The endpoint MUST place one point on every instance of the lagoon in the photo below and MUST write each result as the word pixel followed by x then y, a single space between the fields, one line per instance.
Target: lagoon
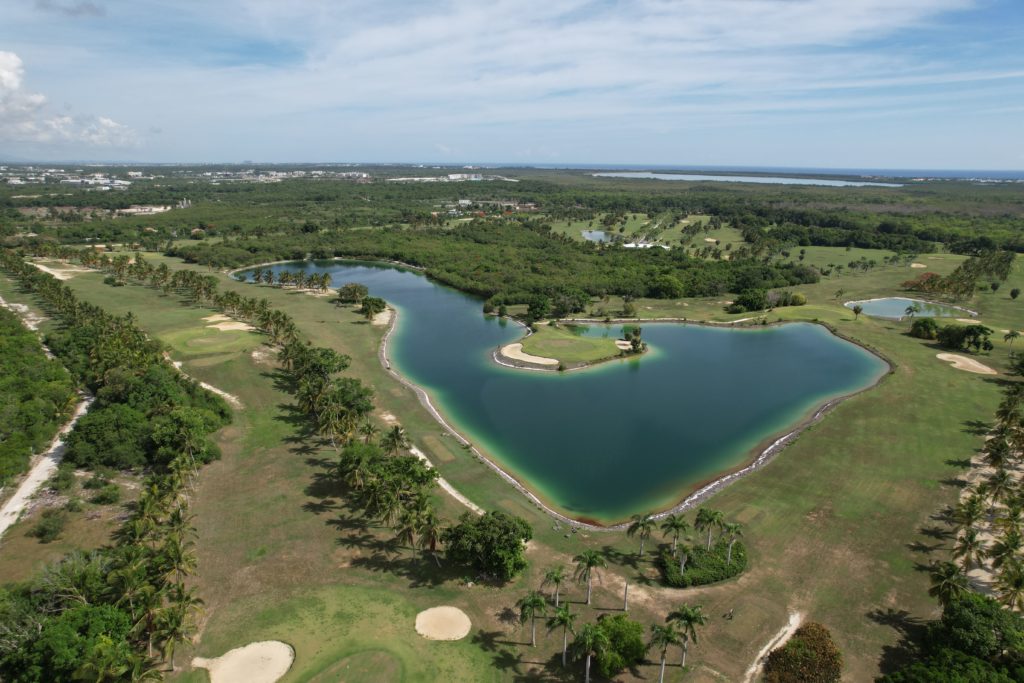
pixel 626 437
pixel 773 180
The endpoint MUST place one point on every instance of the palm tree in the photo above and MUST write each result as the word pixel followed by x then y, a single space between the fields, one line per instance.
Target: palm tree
pixel 563 618
pixel 430 528
pixel 1010 585
pixel 998 486
pixel 554 576
pixel 531 606
pixel 687 619
pixel 369 431
pixel 641 526
pixel 1006 548
pixel 733 531
pixel 1010 336
pixel 969 549
pixel 708 519
pixel 912 310
pixel 969 511
pixel 948 582
pixel 590 641
pixel 675 525
pixel 662 638
pixel 587 564
pixel 395 440
pixel 857 310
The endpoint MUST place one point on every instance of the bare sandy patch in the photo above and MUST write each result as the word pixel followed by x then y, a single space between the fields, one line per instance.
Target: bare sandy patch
pixel 384 317
pixel 30 319
pixel 230 398
pixel 263 356
pixel 446 485
pixel 964 363
pixel 262 662
pixel 623 345
pixel 918 265
pixel 710 239
pixel 216 318
pixel 969 321
pixel 389 418
pixel 442 623
pixel 515 352
pixel 234 326
pixel 60 273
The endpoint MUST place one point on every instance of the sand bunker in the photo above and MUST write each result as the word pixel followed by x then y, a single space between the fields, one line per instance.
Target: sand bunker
pixel 225 324
pixel 442 623
pixel 623 345
pixel 918 265
pixel 60 273
pixel 710 239
pixel 964 363
pixel 262 662
pixel 384 317
pixel 515 352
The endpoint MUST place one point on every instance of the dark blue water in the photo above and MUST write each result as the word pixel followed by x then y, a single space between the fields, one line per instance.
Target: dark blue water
pixel 626 437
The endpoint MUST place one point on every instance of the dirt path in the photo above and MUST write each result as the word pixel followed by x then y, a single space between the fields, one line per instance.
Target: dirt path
pixel 43 469
pixel 230 398
pixel 778 640
pixel 443 483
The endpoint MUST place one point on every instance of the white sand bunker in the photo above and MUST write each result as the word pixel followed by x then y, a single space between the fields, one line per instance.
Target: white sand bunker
pixel 262 662
pixel 442 623
pixel 515 352
pixel 712 240
pixel 965 363
pixel 918 265
pixel 226 324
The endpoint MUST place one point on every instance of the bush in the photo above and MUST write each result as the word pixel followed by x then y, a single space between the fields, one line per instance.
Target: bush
pixel 64 478
pixel 625 644
pixel 492 544
pixel 50 526
pixel 703 566
pixel 73 505
pixel 97 481
pixel 108 495
pixel 810 656
pixel 924 328
pixel 963 338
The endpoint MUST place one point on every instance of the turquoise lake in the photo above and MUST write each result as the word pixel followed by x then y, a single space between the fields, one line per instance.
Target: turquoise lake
pixel 628 436
pixel 895 307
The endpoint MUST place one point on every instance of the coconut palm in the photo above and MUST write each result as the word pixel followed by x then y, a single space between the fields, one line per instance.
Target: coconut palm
pixel 563 618
pixel 1006 548
pixel 674 525
pixel 733 532
pixel 531 606
pixel 998 487
pixel 590 641
pixel 969 549
pixel 395 440
pixel 555 577
pixel 368 431
pixel 1010 336
pixel 687 619
pixel 857 310
pixel 969 511
pixel 662 638
pixel 429 530
pixel 641 526
pixel 587 564
pixel 948 582
pixel 1010 585
pixel 708 519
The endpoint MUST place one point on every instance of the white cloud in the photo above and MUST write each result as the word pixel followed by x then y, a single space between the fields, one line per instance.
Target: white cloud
pixel 25 116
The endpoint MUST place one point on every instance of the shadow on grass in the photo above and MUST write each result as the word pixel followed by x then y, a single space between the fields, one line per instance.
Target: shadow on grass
pixel 911 632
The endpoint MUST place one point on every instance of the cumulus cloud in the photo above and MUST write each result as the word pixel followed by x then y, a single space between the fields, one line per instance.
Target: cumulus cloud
pixel 26 117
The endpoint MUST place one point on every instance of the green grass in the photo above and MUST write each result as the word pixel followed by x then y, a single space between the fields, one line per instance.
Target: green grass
pixel 568 347
pixel 830 524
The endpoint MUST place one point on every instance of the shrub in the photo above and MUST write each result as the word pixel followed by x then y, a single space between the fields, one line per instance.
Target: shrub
pixel 924 328
pixel 492 544
pixel 108 495
pixel 810 656
pixel 625 644
pixel 73 505
pixel 703 566
pixel 50 526
pixel 64 478
pixel 1015 292
pixel 962 338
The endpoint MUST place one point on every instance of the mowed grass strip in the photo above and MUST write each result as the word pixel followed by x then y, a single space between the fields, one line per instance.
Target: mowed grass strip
pixel 563 344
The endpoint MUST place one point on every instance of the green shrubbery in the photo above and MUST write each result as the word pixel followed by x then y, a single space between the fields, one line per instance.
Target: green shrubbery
pixel 626 645
pixel 50 526
pixel 703 566
pixel 493 543
pixel 810 656
pixel 924 328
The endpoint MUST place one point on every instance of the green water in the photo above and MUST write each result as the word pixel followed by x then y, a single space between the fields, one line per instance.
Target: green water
pixel 626 437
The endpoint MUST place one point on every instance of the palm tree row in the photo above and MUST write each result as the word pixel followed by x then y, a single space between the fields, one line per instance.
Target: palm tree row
pixel 994 508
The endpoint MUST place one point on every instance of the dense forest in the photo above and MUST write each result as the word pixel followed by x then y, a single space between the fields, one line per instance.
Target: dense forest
pixel 36 396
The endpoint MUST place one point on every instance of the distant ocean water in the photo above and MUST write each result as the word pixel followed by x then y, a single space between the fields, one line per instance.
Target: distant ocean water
pixel 900 173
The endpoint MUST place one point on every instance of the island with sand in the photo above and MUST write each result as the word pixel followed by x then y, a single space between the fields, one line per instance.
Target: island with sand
pixel 566 345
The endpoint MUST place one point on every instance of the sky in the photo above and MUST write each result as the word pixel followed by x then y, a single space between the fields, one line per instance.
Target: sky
pixel 924 84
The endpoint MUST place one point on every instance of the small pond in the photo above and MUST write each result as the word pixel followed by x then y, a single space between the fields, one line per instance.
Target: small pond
pixel 895 307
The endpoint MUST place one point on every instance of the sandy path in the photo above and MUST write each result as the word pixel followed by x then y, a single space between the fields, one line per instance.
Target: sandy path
pixel 443 623
pixel 964 363
pixel 30 319
pixel 230 398
pixel 60 274
pixel 44 468
pixel 443 483
pixel 262 662
pixel 779 639
pixel 515 352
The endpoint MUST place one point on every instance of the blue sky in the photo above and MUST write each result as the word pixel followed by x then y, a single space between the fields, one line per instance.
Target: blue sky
pixel 828 83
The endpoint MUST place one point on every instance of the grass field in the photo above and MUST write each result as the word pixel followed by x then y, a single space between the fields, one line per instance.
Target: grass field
pixel 561 343
pixel 838 526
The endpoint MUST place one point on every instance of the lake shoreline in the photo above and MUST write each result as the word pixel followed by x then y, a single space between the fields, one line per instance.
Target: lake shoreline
pixel 700 491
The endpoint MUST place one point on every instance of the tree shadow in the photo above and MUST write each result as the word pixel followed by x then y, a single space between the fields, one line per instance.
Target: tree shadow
pixel 936 532
pixel 963 462
pixel 919 547
pixel 976 427
pixel 911 632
